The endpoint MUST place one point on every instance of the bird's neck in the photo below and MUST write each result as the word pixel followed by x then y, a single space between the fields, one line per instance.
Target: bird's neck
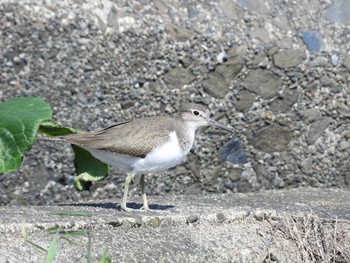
pixel 185 134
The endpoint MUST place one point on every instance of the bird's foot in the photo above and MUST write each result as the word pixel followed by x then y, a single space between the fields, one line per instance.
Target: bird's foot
pixel 143 209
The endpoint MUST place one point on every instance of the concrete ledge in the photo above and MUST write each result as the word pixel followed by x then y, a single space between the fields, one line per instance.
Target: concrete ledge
pixel 215 228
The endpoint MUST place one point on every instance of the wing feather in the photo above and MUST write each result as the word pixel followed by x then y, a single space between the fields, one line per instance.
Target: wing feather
pixel 133 138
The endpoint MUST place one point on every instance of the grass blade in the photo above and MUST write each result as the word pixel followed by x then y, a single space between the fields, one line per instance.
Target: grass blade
pixel 51 252
pixel 25 237
pixel 70 233
pixel 73 213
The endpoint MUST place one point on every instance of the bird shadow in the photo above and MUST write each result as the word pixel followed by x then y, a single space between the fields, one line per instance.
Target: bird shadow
pixel 115 206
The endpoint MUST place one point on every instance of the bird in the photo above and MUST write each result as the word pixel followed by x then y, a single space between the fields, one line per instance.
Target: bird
pixel 145 145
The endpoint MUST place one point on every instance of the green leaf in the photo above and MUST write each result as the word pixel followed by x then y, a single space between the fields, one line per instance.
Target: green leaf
pixel 88 168
pixel 19 121
pixel 52 128
pixel 51 252
pixel 106 257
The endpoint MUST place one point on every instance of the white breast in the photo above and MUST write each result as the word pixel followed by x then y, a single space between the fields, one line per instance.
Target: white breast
pixel 163 157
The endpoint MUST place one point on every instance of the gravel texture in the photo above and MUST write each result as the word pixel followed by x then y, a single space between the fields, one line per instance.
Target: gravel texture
pixel 277 72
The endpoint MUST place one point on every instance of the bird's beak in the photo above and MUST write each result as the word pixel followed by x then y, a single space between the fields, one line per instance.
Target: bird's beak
pixel 217 124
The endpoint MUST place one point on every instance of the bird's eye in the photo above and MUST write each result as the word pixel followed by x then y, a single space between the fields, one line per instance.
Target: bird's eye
pixel 195 113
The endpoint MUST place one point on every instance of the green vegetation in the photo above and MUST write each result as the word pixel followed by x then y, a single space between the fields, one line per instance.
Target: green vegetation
pixel 20 121
pixel 59 234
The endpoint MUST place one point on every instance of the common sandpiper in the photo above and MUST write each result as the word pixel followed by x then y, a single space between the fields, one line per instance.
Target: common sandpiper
pixel 146 145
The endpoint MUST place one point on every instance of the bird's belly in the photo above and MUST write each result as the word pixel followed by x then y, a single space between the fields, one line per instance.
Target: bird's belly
pixel 117 161
pixel 161 158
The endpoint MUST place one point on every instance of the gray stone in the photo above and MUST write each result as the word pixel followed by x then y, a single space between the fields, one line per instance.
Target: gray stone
pixel 311 115
pixel 262 82
pixel 289 58
pixel 218 82
pixel 156 86
pixel 319 62
pixel 342 108
pixel 192 219
pixel 306 166
pixel 216 85
pixel 184 34
pixel 245 100
pixel 273 138
pixel 260 33
pixel 178 77
pixel 243 186
pixel 235 174
pixel 328 82
pixel 317 128
pixel 260 58
pixel 285 101
pixel 231 68
pixel 220 217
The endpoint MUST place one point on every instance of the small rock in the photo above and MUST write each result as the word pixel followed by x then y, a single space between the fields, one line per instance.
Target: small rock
pixel 285 103
pixel 220 217
pixel 115 223
pixel 262 82
pixel 328 82
pixel 218 82
pixel 216 85
pixel 289 58
pixel 260 33
pixel 192 219
pixel 273 138
pixel 154 222
pixel 235 174
pixel 334 59
pixel 311 115
pixel 306 166
pixel 312 40
pixel 317 128
pixel 244 186
pixel 178 77
pixel 245 100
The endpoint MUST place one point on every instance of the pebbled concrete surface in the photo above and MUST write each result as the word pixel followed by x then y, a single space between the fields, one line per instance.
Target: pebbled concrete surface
pixel 213 228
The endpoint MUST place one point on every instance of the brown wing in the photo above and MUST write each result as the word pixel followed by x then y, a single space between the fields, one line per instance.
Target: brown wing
pixel 134 138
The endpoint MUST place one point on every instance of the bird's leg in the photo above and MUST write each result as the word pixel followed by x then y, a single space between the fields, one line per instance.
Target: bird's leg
pixel 143 191
pixel 126 189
